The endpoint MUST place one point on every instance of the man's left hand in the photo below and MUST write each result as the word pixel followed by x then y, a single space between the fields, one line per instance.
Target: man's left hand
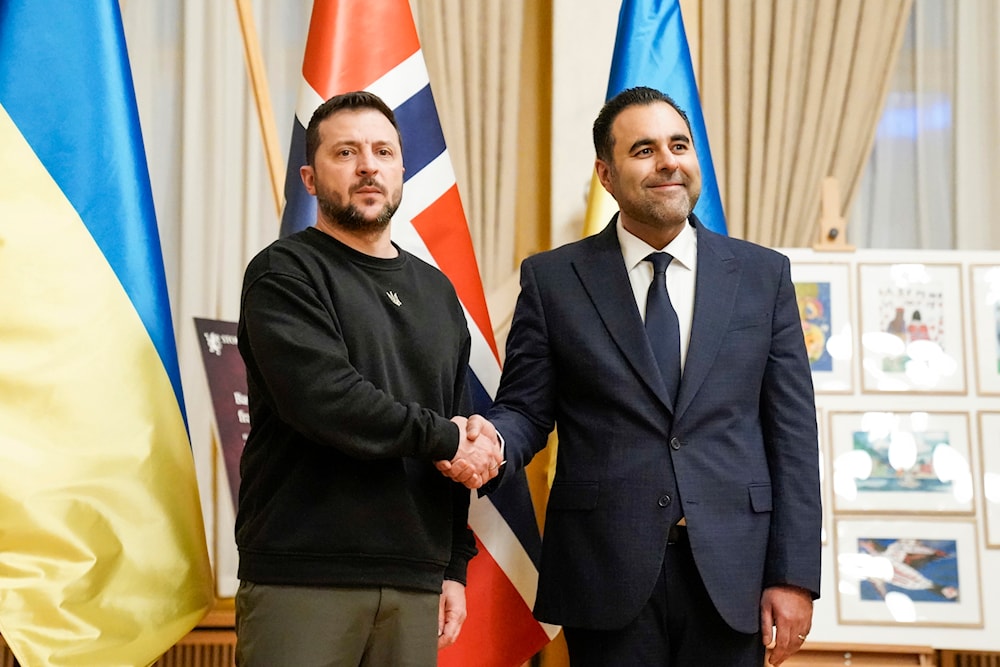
pixel 788 610
pixel 451 612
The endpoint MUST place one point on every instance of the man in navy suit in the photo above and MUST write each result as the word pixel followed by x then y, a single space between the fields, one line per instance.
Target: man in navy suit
pixel 683 525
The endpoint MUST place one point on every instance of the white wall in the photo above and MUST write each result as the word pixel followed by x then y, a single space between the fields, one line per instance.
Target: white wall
pixel 582 42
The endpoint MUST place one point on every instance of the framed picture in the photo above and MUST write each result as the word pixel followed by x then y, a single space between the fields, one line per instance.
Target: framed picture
pixel 989 455
pixel 823 294
pixel 904 462
pixel 911 328
pixel 916 572
pixel 985 281
pixel 824 500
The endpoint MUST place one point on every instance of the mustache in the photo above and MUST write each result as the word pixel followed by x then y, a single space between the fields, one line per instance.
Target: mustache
pixel 367 183
pixel 667 181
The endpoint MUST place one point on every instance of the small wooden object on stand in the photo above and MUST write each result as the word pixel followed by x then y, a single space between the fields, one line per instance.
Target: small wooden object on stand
pixel 832 227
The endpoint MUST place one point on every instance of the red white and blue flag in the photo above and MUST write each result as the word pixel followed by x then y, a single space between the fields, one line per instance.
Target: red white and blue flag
pixel 372 45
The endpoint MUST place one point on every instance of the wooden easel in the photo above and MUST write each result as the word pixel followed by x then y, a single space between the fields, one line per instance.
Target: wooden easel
pixel 832 227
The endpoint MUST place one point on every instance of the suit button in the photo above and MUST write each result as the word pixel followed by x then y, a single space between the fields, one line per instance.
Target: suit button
pixel 663 501
pixel 675 443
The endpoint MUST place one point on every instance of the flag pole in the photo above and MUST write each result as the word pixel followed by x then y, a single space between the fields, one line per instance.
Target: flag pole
pixel 262 97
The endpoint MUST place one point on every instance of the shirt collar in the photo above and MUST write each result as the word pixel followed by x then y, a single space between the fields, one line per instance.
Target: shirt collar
pixel 683 248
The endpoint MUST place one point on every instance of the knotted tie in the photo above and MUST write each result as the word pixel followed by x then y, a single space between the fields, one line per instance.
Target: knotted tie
pixel 661 325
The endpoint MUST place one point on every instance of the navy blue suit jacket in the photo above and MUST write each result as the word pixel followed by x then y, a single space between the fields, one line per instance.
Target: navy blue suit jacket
pixel 737 456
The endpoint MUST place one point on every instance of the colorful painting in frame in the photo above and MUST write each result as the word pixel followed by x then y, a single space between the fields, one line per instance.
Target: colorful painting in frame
pixel 989 456
pixel 985 281
pixel 823 295
pixel 912 336
pixel 904 462
pixel 917 573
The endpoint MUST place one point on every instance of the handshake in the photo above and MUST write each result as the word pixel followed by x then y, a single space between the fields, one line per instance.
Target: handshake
pixel 478 458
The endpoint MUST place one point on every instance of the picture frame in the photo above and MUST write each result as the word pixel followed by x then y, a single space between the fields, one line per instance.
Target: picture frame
pixel 985 304
pixel 912 337
pixel 911 573
pixel 825 505
pixel 823 293
pixel 989 457
pixel 901 462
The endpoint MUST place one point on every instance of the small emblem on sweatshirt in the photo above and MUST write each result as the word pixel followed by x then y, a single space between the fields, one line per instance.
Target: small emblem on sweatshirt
pixel 394 298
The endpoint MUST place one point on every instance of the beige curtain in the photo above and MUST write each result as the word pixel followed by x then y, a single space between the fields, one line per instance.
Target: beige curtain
pixel 210 183
pixel 792 91
pixel 906 198
pixel 472 50
pixel 977 132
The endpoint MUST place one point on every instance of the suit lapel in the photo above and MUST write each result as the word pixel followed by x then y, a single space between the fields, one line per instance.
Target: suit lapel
pixel 602 272
pixel 716 285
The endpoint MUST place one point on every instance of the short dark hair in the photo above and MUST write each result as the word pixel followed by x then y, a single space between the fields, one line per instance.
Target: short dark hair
pixel 359 99
pixel 604 143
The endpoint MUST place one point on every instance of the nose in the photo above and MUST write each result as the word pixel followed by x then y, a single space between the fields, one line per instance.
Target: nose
pixel 668 161
pixel 366 164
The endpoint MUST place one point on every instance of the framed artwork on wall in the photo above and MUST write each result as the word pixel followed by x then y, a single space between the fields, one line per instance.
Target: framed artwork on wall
pixel 919 572
pixel 911 328
pixel 901 462
pixel 989 456
pixel 985 282
pixel 823 295
pixel 824 499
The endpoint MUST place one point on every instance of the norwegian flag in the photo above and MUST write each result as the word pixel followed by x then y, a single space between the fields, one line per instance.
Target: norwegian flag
pixel 372 45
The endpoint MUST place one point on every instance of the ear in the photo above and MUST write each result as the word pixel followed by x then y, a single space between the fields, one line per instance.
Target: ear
pixel 603 170
pixel 308 176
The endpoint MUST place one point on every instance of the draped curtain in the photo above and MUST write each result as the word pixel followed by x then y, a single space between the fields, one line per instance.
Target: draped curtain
pixel 791 93
pixel 930 182
pixel 211 188
pixel 914 145
pixel 977 132
pixel 473 54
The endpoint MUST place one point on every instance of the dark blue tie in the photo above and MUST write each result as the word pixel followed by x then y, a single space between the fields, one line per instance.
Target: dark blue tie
pixel 661 325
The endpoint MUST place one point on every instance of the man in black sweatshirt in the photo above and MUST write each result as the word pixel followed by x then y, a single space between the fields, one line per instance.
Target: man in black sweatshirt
pixel 353 547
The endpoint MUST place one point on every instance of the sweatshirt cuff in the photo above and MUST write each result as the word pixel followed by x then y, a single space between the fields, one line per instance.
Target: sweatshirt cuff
pixel 444 443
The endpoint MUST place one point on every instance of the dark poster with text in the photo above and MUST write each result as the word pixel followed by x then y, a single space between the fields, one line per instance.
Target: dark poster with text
pixel 227 385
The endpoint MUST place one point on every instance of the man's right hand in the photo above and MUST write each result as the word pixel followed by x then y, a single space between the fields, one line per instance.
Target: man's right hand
pixel 478 459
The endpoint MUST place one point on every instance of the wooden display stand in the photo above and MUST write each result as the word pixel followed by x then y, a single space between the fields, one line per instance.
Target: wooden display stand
pixel 832 227
pixel 951 658
pixel 827 655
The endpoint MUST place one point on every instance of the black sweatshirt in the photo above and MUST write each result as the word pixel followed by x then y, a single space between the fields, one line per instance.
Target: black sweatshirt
pixel 354 365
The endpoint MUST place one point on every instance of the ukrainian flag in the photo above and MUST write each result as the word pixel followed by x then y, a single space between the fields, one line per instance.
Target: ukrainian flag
pixel 651 49
pixel 103 559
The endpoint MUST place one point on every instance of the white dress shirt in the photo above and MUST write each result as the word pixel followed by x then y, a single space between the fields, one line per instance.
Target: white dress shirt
pixel 680 275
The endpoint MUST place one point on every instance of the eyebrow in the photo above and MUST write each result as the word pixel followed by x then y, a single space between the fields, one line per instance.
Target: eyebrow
pixel 356 142
pixel 649 141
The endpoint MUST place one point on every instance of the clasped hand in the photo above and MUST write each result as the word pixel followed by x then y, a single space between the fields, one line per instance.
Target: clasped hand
pixel 478 459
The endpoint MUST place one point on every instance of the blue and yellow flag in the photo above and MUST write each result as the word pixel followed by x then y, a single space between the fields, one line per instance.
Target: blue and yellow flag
pixel 103 558
pixel 651 50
